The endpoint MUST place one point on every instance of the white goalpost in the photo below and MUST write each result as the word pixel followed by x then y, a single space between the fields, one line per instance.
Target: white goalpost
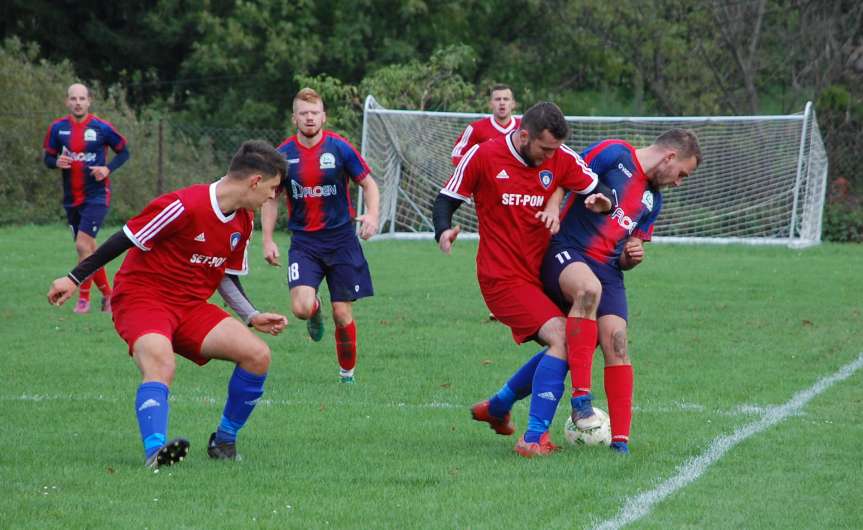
pixel 762 181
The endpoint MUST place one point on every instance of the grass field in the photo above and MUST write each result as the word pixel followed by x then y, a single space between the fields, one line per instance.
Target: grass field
pixel 731 429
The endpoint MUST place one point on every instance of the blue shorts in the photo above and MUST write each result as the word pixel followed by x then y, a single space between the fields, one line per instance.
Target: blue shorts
pixel 335 255
pixel 557 258
pixel 86 217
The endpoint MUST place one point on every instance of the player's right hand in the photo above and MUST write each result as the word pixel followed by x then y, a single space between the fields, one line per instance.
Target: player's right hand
pixel 271 253
pixel 64 161
pixel 61 290
pixel 447 238
pixel 272 323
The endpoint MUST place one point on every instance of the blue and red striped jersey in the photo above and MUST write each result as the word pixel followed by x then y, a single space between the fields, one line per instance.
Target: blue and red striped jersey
pixel 635 205
pixel 87 144
pixel 316 182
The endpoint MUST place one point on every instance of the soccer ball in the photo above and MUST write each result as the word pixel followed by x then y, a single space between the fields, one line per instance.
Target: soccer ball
pixel 600 435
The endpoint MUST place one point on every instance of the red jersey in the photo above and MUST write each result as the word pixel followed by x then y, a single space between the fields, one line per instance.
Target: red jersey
pixel 480 131
pixel 184 246
pixel 508 193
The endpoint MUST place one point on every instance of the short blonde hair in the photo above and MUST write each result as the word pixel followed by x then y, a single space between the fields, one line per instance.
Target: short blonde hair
pixel 308 95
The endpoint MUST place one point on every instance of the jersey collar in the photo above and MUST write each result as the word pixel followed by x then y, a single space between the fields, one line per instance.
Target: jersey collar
pixel 215 204
pixel 513 150
pixel 503 130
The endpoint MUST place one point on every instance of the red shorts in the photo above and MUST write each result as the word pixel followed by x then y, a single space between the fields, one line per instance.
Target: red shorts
pixel 185 326
pixel 522 306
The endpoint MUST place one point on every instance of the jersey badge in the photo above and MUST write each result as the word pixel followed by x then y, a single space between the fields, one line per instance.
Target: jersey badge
pixel 502 175
pixel 235 240
pixel 647 200
pixel 89 135
pixel 545 178
pixel 328 161
pixel 200 238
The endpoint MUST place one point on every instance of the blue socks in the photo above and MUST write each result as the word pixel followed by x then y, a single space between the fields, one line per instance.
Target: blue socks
pixel 547 390
pixel 244 390
pixel 151 407
pixel 517 388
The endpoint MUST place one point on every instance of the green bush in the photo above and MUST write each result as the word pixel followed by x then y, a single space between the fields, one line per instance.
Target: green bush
pixel 843 223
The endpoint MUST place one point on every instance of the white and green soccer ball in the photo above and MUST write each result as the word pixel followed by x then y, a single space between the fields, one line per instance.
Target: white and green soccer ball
pixel 597 433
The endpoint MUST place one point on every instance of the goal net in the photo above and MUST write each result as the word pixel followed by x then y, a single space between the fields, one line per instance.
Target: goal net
pixel 762 181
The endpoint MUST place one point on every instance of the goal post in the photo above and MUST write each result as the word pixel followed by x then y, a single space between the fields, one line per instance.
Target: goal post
pixel 763 179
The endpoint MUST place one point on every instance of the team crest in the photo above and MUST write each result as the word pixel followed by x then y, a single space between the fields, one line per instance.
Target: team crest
pixel 545 178
pixel 235 240
pixel 89 135
pixel 328 161
pixel 647 200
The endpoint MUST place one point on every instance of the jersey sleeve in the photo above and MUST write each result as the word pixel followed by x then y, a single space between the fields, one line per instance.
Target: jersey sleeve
pixel 464 179
pixel 462 145
pixel 353 161
pixel 577 175
pixel 164 216
pixel 238 261
pixel 113 138
pixel 52 144
pixel 644 229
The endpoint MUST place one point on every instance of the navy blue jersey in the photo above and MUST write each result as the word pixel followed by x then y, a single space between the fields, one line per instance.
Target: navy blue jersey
pixel 316 183
pixel 87 144
pixel 635 205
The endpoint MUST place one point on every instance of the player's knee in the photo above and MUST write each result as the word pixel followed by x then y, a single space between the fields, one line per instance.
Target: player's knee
pixel 259 357
pixel 161 368
pixel 342 316
pixel 303 309
pixel 619 348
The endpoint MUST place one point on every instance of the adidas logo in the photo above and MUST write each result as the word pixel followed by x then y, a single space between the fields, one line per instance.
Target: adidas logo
pixel 502 175
pixel 200 237
pixel 148 404
pixel 547 395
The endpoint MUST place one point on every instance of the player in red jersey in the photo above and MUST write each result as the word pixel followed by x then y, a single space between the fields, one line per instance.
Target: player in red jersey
pixel 510 179
pixel 501 122
pixel 77 145
pixel 324 243
pixel 187 244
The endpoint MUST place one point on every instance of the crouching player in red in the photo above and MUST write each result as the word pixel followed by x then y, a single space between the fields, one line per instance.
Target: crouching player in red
pixel 187 244
pixel 511 178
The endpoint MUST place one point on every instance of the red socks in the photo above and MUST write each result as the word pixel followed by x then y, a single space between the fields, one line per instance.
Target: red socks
pixel 84 289
pixel 346 346
pixel 581 336
pixel 101 280
pixel 618 390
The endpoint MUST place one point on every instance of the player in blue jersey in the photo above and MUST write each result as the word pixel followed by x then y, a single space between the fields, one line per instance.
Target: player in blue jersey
pixel 77 144
pixel 324 244
pixel 583 267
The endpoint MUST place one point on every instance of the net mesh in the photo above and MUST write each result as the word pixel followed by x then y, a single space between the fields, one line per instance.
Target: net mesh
pixel 762 180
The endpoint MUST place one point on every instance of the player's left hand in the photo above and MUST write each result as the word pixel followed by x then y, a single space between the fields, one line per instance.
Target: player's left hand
pixel 550 220
pixel 598 203
pixel 369 226
pixel 633 253
pixel 100 173
pixel 61 290
pixel 271 323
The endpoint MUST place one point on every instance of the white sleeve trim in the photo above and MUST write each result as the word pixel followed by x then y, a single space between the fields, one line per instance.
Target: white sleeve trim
pixel 133 239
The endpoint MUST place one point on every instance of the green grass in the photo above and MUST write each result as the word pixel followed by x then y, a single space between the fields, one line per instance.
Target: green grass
pixel 714 330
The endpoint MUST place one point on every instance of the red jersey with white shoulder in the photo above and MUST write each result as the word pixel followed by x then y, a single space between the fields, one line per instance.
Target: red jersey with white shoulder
pixel 508 193
pixel 480 131
pixel 184 245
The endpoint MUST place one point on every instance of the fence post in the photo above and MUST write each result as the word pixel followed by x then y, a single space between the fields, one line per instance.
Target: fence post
pixel 160 175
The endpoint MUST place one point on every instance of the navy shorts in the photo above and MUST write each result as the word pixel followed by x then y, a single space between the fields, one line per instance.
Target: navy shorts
pixel 86 217
pixel 613 300
pixel 338 257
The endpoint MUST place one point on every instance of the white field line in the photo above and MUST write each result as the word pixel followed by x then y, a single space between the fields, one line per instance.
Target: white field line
pixel 638 506
pixel 652 408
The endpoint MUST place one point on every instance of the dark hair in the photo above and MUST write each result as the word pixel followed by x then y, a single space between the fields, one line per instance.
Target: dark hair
pixel 683 141
pixel 543 116
pixel 500 86
pixel 257 156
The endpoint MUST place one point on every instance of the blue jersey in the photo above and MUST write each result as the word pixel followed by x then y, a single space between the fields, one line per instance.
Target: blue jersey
pixel 635 206
pixel 87 144
pixel 316 183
